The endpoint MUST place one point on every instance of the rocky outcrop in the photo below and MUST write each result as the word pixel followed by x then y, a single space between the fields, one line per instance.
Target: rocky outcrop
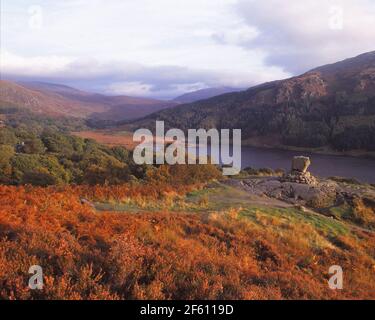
pixel 300 188
pixel 366 80
pixel 318 196
pixel 309 85
pixel 336 198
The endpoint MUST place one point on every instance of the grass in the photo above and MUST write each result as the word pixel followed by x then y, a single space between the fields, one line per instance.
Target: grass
pixel 341 212
pixel 109 138
pixel 219 198
pixel 295 216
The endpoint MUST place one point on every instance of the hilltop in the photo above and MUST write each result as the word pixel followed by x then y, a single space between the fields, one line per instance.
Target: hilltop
pixel 204 94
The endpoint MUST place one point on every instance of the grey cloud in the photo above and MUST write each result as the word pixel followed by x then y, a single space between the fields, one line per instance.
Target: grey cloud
pixel 298 35
pixel 163 81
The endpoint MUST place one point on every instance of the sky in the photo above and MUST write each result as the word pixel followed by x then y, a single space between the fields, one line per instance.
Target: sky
pixel 164 48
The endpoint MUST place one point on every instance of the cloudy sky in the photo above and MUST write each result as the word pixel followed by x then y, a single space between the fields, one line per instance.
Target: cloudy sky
pixel 163 48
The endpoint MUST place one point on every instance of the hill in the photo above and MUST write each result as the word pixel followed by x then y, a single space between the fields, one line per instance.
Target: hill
pixel 333 105
pixel 59 100
pixel 204 94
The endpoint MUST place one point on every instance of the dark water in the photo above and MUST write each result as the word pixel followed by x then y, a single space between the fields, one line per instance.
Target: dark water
pixel 362 169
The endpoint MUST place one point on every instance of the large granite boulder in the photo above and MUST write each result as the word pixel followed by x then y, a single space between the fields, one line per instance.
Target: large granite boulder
pixel 300 164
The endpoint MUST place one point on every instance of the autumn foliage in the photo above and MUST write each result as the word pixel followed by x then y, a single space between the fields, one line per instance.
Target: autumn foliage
pixel 87 254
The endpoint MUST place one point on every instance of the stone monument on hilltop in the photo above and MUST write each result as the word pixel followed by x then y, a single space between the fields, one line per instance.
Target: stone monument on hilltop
pixel 299 172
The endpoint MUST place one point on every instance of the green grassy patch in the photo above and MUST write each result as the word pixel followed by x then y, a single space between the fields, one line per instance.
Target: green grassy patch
pixel 220 198
pixel 295 216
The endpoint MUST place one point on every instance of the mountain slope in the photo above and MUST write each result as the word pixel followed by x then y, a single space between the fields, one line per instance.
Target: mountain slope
pixel 60 100
pixel 333 105
pixel 204 94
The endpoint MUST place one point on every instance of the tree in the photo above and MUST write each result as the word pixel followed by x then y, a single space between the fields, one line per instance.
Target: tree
pixel 34 146
pixel 7 136
pixel 39 177
pixel 121 154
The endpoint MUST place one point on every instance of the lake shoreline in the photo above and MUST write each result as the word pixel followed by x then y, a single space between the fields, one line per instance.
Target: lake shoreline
pixel 124 138
pixel 327 151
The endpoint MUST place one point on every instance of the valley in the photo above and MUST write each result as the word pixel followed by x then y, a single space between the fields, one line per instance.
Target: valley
pixel 73 200
pixel 63 101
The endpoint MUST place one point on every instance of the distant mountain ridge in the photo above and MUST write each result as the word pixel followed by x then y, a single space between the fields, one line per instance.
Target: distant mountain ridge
pixel 204 94
pixel 60 100
pixel 333 105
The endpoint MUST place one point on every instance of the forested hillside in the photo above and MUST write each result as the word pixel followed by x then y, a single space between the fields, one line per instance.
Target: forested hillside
pixel 38 150
pixel 329 106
